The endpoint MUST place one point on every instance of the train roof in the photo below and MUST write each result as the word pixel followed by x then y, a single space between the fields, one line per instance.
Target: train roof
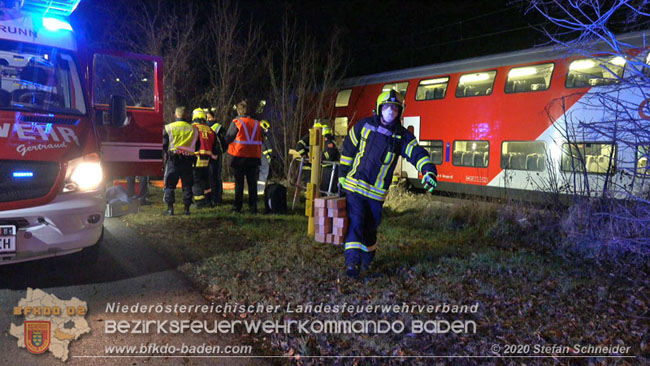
pixel 634 40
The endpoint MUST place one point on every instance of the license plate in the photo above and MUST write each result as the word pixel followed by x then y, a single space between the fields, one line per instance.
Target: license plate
pixel 7 239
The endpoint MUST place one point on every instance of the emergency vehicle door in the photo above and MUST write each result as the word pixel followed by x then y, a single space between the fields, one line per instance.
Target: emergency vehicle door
pixel 132 145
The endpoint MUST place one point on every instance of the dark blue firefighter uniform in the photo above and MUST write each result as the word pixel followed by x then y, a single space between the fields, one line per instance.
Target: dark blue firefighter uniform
pixel 369 156
pixel 179 166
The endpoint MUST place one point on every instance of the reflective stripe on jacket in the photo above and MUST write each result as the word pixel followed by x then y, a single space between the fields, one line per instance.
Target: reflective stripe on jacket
pixel 370 153
pixel 248 142
pixel 182 136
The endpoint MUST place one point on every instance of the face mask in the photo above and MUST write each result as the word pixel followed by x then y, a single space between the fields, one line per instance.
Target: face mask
pixel 389 113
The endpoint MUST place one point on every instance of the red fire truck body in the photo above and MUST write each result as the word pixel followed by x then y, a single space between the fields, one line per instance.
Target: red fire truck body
pixel 69 119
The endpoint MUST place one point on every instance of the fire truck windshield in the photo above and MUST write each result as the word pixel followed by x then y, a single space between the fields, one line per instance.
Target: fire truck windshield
pixel 39 78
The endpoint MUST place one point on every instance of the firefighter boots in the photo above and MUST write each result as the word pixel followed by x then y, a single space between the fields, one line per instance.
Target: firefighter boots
pixel 186 211
pixel 170 209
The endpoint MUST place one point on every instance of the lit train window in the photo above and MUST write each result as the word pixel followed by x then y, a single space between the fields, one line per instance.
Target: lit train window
pixel 435 150
pixel 340 130
pixel 343 98
pixel 646 67
pixel 642 156
pixel 596 158
pixel 400 87
pixel 523 155
pixel 478 84
pixel 595 71
pixel 432 89
pixel 471 153
pixel 529 78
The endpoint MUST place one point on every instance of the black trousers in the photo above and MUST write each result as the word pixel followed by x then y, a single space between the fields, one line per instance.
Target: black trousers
pixel 179 166
pixel 251 173
pixel 216 185
pixel 200 184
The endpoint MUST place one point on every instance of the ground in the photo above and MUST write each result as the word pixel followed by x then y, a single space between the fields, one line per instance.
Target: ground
pixel 528 290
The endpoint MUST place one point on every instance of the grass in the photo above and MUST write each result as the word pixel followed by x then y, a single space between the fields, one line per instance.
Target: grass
pixel 429 253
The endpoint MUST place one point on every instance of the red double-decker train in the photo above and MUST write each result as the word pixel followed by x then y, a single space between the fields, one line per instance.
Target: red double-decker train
pixel 519 122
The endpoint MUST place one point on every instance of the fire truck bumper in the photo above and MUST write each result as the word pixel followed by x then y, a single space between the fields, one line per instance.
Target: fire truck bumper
pixel 66 225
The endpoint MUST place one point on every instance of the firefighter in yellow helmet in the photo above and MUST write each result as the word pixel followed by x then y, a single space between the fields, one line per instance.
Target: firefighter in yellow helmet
pixel 206 152
pixel 370 153
pixel 179 143
pixel 330 153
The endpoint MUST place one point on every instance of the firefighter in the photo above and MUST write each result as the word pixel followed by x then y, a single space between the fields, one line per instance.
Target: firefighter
pixel 267 153
pixel 179 143
pixel 370 152
pixel 244 139
pixel 207 152
pixel 330 153
pixel 214 167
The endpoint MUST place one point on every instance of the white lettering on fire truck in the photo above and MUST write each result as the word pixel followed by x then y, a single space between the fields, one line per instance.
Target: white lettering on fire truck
pixel 38 132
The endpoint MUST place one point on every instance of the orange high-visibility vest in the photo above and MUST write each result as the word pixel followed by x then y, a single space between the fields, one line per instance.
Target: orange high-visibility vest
pixel 248 142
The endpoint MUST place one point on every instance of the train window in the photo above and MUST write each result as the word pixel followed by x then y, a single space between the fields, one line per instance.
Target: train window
pixel 435 150
pixel 642 156
pixel 343 98
pixel 432 89
pixel 529 78
pixel 523 155
pixel 471 153
pixel 340 130
pixel 400 87
pixel 646 67
pixel 597 158
pixel 595 71
pixel 470 85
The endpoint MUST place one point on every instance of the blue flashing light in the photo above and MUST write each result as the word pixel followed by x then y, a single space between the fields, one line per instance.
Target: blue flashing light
pixel 54 24
pixel 23 174
pixel 50 7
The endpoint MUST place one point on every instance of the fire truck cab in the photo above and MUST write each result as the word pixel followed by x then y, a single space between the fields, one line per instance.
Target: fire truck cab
pixel 69 119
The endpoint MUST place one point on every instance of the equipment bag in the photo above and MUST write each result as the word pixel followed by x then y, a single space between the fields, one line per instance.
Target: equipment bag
pixel 275 199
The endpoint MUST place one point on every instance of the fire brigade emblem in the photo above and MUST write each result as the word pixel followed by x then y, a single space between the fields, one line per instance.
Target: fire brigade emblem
pixel 37 336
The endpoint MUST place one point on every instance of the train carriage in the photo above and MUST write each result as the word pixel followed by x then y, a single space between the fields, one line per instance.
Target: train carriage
pixel 520 122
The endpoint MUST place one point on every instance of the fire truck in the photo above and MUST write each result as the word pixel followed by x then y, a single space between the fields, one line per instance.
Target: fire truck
pixel 70 118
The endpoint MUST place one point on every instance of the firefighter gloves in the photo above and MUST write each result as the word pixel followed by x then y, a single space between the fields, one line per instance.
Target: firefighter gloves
pixel 430 182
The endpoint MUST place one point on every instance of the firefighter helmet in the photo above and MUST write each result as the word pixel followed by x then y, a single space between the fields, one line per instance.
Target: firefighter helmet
pixel 326 130
pixel 265 125
pixel 391 97
pixel 199 114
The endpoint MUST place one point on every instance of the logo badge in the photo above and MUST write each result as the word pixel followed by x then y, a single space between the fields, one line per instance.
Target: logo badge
pixel 37 336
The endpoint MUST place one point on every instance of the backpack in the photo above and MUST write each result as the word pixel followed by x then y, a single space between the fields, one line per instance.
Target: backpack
pixel 275 199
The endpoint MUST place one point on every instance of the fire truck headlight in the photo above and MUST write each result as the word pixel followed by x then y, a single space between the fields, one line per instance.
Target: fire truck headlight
pixel 83 174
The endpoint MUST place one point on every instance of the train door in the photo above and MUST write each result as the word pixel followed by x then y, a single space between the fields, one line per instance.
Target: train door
pixel 133 145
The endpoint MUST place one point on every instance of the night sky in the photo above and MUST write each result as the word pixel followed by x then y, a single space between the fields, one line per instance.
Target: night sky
pixel 389 35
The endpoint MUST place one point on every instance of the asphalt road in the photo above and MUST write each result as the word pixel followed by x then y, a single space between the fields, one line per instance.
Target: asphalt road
pixel 127 272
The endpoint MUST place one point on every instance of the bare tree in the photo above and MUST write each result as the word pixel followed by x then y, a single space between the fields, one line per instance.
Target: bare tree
pixel 303 78
pixel 231 56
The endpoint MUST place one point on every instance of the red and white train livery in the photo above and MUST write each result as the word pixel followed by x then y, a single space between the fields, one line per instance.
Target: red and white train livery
pixel 512 122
